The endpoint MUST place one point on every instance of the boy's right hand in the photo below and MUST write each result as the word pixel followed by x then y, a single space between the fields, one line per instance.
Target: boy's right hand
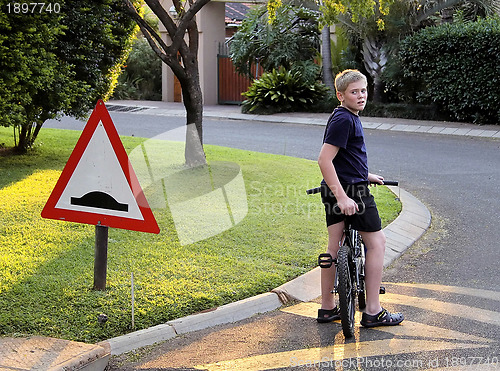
pixel 347 206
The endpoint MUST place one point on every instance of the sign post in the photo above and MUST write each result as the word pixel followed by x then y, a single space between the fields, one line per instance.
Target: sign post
pixel 100 257
pixel 98 186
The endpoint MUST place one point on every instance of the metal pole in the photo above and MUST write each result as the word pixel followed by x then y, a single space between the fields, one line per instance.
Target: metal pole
pixel 100 257
pixel 133 299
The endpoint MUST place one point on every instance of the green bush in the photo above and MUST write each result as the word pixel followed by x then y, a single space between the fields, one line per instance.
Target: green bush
pixel 283 91
pixel 141 77
pixel 405 111
pixel 456 66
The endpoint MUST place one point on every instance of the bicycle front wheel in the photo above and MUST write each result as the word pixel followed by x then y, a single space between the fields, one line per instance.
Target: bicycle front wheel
pixel 346 292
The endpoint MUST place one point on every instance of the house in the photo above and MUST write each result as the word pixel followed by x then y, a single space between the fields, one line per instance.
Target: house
pixel 235 14
pixel 216 21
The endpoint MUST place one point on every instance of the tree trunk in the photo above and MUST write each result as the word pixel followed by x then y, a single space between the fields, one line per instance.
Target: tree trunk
pixel 22 143
pixel 326 56
pixel 193 101
pixel 185 69
pixel 192 97
pixel 375 60
pixel 27 136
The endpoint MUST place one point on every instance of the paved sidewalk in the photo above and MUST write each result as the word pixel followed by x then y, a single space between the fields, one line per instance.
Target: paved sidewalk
pixel 38 353
pixel 42 353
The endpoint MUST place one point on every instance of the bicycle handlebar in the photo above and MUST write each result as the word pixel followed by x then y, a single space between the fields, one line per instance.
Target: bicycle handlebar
pixel 386 182
pixel 313 190
pixel 391 183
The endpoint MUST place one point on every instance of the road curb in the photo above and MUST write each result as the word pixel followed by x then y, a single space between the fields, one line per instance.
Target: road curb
pixel 407 228
pixel 228 313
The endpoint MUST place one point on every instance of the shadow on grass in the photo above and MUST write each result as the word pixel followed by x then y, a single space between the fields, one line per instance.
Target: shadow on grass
pixel 50 152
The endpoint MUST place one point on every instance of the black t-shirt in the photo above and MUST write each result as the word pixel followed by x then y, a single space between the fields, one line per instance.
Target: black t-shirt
pixel 344 130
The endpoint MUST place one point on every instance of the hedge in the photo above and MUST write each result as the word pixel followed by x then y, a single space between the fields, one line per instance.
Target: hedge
pixel 457 67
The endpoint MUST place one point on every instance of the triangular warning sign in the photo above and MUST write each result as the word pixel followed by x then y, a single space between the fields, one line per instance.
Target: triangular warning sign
pixel 98 185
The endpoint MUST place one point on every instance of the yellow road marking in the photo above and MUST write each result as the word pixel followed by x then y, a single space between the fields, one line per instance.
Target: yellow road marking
pixel 415 329
pixel 308 309
pixel 486 294
pixel 472 367
pixel 450 309
pixel 416 336
pixel 351 352
pixel 458 310
pixel 408 328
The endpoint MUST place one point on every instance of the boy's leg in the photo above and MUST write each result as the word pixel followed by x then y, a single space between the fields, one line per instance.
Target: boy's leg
pixel 374 264
pixel 335 232
pixel 374 314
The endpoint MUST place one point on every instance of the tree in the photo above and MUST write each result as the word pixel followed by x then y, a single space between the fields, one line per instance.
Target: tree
pixel 58 60
pixel 97 43
pixel 28 70
pixel 326 58
pixel 182 57
pixel 381 25
pixel 291 37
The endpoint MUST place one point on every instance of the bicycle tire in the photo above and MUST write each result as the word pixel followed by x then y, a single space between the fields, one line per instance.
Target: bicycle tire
pixel 346 292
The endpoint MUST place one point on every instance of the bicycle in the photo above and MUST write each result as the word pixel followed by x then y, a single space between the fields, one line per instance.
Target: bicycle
pixel 350 271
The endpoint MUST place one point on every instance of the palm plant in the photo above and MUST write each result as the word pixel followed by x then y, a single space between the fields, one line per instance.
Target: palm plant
pixel 404 18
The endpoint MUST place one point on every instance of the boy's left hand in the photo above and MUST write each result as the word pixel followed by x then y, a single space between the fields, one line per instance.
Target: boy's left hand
pixel 375 179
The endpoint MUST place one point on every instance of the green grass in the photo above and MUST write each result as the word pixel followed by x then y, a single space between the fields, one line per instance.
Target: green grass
pixel 46 266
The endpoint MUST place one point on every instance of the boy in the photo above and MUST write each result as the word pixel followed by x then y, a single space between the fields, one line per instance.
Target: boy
pixel 343 164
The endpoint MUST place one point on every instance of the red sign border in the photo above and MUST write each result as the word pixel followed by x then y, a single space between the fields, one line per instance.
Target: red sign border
pixel 149 224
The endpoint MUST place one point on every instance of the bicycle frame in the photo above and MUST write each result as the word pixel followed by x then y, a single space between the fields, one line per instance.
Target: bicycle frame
pixel 353 239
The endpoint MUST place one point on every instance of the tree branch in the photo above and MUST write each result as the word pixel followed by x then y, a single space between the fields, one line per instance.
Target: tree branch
pixel 191 12
pixel 169 54
pixel 150 34
pixel 440 6
pixel 163 16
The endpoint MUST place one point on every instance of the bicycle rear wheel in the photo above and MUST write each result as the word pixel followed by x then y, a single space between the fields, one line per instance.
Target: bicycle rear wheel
pixel 346 292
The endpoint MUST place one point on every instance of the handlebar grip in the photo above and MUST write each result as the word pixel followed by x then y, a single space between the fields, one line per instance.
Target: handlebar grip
pixel 391 182
pixel 313 190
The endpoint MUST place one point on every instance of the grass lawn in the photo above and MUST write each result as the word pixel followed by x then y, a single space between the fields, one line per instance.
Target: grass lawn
pixel 46 266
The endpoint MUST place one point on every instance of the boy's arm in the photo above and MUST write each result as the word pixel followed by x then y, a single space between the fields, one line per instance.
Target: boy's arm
pixel 328 152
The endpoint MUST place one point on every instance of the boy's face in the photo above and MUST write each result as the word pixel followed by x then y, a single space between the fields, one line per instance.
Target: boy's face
pixel 355 96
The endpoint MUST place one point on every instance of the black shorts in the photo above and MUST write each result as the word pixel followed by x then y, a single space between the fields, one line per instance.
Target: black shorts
pixel 365 220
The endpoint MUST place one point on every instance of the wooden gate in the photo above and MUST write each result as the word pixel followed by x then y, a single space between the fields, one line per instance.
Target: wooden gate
pixel 230 84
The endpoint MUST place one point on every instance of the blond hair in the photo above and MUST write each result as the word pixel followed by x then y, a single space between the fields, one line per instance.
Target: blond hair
pixel 346 77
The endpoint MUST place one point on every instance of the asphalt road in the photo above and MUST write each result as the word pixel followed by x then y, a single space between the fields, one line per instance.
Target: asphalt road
pixel 447 283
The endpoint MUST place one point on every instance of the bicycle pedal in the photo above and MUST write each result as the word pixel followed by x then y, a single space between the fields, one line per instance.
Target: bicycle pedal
pixel 326 260
pixel 382 290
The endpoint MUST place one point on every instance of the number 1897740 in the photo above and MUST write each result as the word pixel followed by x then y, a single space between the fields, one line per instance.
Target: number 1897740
pixel 31 8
